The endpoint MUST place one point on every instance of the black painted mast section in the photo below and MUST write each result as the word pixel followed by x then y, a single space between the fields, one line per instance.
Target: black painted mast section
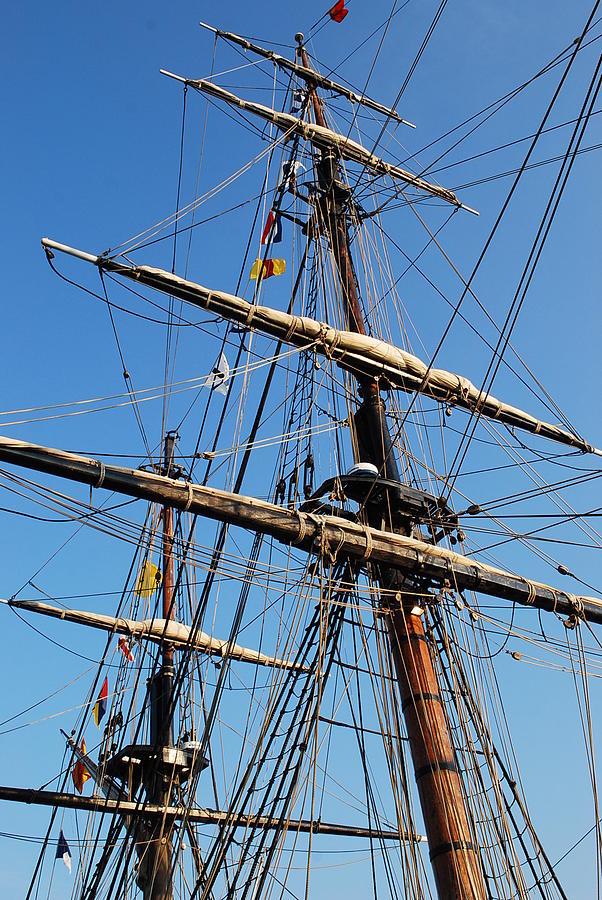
pixel 156 867
pixel 455 860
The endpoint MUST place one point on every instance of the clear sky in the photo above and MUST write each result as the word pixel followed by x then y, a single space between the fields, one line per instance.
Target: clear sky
pixel 90 152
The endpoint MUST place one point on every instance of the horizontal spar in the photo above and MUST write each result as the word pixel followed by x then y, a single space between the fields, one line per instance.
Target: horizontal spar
pixel 322 137
pixel 199 816
pixel 160 631
pixel 308 75
pixel 356 353
pixel 331 535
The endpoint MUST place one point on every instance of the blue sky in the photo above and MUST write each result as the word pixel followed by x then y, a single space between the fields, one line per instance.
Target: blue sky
pixel 90 157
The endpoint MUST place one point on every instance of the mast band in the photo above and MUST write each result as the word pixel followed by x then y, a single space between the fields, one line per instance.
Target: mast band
pixel 420 697
pixel 449 847
pixel 441 765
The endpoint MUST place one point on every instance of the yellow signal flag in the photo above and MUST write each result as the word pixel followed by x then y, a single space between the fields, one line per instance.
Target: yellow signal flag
pixel 267 268
pixel 149 579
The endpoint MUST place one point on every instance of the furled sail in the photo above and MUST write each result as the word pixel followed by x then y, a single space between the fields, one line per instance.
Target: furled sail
pixel 156 630
pixel 356 353
pixel 322 137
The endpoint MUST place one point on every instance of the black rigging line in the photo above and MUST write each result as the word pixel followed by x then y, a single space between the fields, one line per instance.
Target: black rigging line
pixel 111 304
pixel 496 105
pixel 536 165
pixel 78 739
pixel 473 708
pixel 498 221
pixel 335 69
pixel 170 305
pixel 415 201
pixel 530 266
pixel 501 101
pixel 189 228
pixel 406 81
pixel 462 317
pixel 505 146
pixel 539 491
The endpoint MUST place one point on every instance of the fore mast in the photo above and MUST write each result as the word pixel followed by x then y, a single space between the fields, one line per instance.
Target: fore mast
pixel 454 857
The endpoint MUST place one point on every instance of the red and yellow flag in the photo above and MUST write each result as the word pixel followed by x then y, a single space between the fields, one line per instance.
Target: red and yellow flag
pixel 267 268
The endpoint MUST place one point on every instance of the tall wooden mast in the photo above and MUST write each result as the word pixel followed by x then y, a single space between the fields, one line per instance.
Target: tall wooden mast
pixel 455 860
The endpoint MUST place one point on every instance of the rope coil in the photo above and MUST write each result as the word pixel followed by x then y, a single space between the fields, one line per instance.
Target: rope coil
pixel 302 529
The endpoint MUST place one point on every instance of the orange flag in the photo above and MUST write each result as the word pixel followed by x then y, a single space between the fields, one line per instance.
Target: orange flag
pixel 80 774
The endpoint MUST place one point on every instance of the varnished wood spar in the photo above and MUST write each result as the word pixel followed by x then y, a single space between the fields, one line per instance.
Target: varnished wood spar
pixel 454 857
pixel 312 533
pixel 198 815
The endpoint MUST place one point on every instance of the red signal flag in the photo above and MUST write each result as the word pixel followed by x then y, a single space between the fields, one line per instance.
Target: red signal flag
pixel 338 12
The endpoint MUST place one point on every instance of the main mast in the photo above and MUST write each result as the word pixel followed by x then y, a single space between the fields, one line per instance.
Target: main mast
pixel 454 857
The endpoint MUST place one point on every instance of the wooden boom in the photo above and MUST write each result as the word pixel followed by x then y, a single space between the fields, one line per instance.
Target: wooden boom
pixel 199 816
pixel 331 535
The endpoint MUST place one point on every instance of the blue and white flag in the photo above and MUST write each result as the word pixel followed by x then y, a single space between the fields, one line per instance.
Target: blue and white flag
pixel 289 170
pixel 218 380
pixel 63 852
pixel 297 103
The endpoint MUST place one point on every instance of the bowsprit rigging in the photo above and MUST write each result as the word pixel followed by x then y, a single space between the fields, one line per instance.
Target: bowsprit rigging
pixel 344 614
